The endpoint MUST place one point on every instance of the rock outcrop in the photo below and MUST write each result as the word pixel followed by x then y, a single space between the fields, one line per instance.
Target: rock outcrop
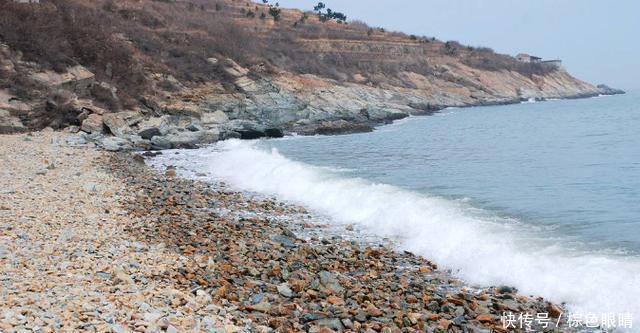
pixel 275 105
pixel 309 104
pixel 606 90
pixel 76 79
pixel 268 81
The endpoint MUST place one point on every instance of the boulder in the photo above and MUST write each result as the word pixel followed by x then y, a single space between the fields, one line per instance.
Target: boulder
pixel 155 126
pixel 273 133
pixel 131 117
pixel 193 127
pixel 160 143
pixel 149 133
pixel 164 125
pixel 188 139
pixel 117 125
pixel 249 130
pixel 112 143
pixel 341 127
pixel 139 142
pixel 184 139
pixel 120 123
pixel 214 118
pixel 226 134
pixel 79 139
pixel 93 124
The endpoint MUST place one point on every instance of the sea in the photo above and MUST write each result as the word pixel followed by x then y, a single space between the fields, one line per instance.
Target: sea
pixel 542 196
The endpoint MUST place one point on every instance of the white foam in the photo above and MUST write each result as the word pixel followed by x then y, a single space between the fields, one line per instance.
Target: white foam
pixel 482 250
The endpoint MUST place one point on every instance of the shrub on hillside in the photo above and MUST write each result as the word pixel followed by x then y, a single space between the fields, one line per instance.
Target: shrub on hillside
pixel 59 34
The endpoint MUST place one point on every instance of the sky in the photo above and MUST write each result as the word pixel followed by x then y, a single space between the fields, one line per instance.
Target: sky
pixel 598 41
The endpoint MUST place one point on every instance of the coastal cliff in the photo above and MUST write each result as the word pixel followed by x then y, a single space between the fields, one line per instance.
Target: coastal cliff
pixel 156 75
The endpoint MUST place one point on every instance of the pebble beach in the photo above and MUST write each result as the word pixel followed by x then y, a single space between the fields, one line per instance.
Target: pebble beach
pixel 95 241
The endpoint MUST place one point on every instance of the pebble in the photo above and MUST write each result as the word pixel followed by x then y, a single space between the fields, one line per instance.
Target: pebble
pixel 284 290
pixel 149 251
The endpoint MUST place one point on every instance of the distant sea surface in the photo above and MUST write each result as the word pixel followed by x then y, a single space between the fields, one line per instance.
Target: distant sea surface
pixel 542 196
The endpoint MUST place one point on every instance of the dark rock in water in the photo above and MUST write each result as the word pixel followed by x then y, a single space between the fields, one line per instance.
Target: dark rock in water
pixel 425 108
pixel 225 135
pixel 342 127
pixel 247 129
pixel 250 134
pixel 273 133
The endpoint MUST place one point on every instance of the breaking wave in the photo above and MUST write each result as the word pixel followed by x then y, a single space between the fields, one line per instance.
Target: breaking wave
pixel 478 246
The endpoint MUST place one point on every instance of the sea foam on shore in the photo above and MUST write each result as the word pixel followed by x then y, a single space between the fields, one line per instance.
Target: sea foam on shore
pixel 481 249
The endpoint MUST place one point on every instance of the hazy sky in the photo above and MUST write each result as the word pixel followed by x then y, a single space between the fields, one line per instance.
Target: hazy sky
pixel 598 41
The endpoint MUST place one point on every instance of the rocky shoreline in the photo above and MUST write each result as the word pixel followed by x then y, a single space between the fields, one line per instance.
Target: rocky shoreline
pixel 120 247
pixel 130 131
pixel 250 103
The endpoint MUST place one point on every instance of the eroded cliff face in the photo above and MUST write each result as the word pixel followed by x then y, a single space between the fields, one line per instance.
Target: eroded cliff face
pixel 309 104
pixel 175 75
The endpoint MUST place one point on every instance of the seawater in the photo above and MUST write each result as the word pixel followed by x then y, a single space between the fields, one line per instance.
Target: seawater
pixel 541 196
